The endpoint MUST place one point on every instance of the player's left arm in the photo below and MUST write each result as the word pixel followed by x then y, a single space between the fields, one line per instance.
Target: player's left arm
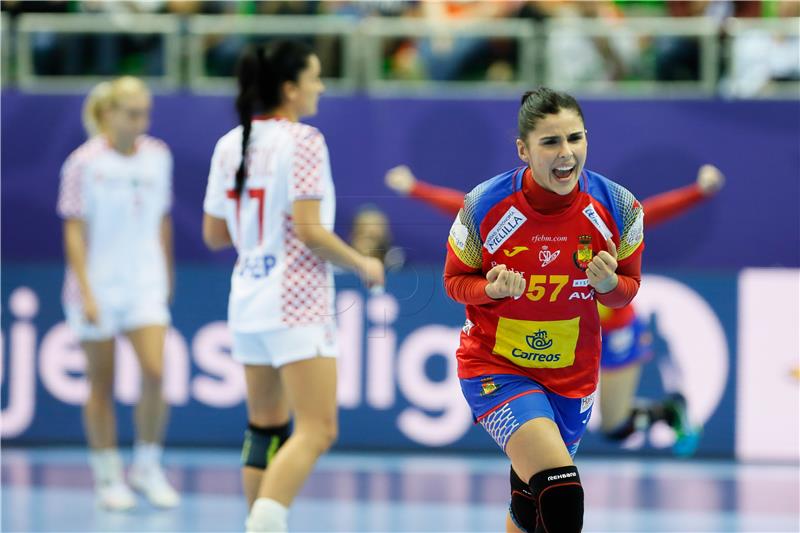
pixel 169 253
pixel 165 230
pixel 616 273
pixel 668 205
pixel 401 180
pixel 215 233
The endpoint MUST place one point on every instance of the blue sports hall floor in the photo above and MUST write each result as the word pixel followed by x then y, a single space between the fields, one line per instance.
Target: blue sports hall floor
pixel 50 489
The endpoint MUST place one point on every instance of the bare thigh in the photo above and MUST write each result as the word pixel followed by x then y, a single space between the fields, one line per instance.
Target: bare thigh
pixel 148 343
pixel 100 365
pixel 310 387
pixel 266 402
pixel 537 446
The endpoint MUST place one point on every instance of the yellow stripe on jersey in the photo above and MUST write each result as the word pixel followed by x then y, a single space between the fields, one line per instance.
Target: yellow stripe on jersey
pixel 532 344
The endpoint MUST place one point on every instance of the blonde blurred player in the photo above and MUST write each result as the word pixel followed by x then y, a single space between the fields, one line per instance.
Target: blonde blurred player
pixel 115 199
pixel 270 194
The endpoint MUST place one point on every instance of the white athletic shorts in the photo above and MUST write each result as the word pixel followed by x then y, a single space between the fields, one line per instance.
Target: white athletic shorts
pixel 116 320
pixel 279 347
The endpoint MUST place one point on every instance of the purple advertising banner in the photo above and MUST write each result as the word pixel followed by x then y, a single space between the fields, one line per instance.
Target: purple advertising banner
pixel 648 146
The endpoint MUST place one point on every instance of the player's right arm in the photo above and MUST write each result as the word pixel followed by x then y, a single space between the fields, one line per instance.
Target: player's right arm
pixel 75 249
pixel 215 233
pixel 71 207
pixel 464 280
pixel 215 228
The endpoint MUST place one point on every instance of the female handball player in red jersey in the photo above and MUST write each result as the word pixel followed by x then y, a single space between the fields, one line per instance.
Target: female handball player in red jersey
pixel 627 343
pixel 530 253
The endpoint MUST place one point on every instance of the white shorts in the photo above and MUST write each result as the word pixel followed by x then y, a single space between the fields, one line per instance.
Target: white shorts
pixel 114 321
pixel 279 347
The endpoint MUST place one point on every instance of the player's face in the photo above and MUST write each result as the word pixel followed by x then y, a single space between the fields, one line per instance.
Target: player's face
pixel 130 116
pixel 304 95
pixel 556 151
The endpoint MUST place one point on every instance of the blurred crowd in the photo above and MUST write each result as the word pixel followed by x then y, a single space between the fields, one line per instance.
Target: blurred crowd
pixel 755 59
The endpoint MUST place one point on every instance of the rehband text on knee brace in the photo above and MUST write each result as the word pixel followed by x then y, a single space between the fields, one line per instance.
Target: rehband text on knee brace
pixel 523 506
pixel 559 498
pixel 260 444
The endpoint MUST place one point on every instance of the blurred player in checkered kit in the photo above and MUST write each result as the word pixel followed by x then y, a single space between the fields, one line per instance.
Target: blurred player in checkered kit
pixel 270 195
pixel 115 200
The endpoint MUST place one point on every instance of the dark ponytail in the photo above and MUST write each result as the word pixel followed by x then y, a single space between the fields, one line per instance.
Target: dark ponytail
pixel 534 105
pixel 261 72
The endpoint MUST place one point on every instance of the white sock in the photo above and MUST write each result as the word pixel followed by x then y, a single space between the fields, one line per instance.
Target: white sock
pixel 146 454
pixel 106 465
pixel 267 516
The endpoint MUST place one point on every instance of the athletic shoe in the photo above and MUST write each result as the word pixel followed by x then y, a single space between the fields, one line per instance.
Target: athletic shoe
pixel 151 481
pixel 115 496
pixel 676 415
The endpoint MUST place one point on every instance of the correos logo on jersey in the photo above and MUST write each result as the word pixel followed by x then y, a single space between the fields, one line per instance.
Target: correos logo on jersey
pixel 533 344
pixel 504 229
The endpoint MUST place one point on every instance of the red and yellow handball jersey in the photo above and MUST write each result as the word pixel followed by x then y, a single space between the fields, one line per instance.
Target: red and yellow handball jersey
pixel 552 333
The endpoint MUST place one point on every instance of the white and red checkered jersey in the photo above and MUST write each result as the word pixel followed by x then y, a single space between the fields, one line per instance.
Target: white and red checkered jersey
pixel 122 200
pixel 277 282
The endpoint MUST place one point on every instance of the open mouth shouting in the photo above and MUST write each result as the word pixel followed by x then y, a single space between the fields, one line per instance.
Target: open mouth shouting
pixel 563 173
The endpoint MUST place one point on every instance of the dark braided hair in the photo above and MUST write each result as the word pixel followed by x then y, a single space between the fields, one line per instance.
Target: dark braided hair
pixel 261 72
pixel 534 105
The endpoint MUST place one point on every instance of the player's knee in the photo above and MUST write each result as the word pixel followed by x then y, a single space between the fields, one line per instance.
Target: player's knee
pixel 318 435
pixel 522 509
pixel 327 433
pixel 559 498
pixel 262 443
pixel 101 389
pixel 152 373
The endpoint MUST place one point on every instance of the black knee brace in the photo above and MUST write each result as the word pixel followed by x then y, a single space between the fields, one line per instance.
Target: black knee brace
pixel 523 507
pixel 260 444
pixel 559 499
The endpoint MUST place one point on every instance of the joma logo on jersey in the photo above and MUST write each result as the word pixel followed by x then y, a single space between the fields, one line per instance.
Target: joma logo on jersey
pixel 539 340
pixel 504 229
pixel 516 250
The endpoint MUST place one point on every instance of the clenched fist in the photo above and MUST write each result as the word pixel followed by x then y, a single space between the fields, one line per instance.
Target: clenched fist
pixel 400 179
pixel 710 180
pixel 504 283
pixel 602 269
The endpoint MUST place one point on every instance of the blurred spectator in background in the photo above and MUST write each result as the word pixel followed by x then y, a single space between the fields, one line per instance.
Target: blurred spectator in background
pixel 760 57
pixel 96 54
pixel 371 236
pixel 132 53
pixel 575 56
pixel 52 53
pixel 447 57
